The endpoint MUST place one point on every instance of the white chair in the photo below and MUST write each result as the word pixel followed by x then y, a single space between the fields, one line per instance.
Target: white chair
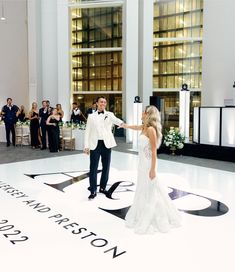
pixel 68 141
pixel 18 135
pixel 21 137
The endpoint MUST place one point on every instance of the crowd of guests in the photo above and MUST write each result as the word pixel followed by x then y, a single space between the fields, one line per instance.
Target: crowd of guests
pixel 44 122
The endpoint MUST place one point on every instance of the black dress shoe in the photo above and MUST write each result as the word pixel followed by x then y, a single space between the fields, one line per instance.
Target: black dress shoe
pixel 103 191
pixel 92 196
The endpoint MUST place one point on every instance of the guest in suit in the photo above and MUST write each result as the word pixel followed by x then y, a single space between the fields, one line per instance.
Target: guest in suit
pixel 34 126
pixel 43 114
pixel 53 131
pixel 92 109
pixel 21 116
pixel 50 109
pixel 76 114
pixel 10 114
pixel 99 140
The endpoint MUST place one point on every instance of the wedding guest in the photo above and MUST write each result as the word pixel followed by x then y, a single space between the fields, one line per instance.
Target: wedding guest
pixel 60 111
pixel 34 126
pixel 49 107
pixel 10 114
pixel 53 131
pixel 21 116
pixel 92 109
pixel 76 114
pixel 43 114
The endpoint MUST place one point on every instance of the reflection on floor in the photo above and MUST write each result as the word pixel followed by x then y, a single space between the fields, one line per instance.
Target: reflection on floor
pixel 47 223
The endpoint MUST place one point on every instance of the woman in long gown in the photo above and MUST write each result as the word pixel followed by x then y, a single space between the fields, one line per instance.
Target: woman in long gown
pixel 60 111
pixel 34 126
pixel 152 209
pixel 53 131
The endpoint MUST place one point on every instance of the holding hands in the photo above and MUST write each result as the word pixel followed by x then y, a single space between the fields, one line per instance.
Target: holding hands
pixel 86 151
pixel 123 125
pixel 134 127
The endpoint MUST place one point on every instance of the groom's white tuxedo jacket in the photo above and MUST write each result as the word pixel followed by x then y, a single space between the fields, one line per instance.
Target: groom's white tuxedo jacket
pixel 99 127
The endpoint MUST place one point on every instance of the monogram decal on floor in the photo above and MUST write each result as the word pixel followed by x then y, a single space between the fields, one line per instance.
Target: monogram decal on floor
pixel 216 208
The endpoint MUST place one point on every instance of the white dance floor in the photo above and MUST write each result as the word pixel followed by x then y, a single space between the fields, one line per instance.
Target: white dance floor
pixel 47 223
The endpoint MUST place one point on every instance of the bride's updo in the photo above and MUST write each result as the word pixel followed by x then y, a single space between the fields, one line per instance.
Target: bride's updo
pixel 153 119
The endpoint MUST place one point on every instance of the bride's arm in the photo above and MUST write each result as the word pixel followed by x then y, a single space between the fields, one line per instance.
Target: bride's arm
pixel 151 132
pixel 134 127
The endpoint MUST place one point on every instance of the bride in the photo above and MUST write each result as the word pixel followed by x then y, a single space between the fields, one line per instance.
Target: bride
pixel 152 209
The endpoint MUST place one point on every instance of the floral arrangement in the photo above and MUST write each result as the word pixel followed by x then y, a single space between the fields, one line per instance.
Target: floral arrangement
pixel 81 125
pixel 25 123
pixel 174 139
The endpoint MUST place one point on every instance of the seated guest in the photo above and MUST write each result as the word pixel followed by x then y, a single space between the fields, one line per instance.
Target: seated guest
pixel 53 131
pixel 34 126
pixel 21 116
pixel 10 114
pixel 60 111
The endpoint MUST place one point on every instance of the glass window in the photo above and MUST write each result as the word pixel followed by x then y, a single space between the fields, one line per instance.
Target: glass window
pixel 97 71
pixel 96 27
pixel 178 60
pixel 169 108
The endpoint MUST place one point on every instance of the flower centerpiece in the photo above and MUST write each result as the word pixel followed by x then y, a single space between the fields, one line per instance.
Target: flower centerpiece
pixel 23 123
pixel 174 139
pixel 82 126
pixel 61 124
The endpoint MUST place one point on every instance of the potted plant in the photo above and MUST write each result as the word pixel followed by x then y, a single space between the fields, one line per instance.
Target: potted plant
pixel 174 139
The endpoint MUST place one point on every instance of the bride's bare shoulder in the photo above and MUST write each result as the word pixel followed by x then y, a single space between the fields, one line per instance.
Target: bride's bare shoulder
pixel 151 130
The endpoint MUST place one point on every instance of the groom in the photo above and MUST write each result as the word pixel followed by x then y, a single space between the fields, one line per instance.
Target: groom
pixel 99 140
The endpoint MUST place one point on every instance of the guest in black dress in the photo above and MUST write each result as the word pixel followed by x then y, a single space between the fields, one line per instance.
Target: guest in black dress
pixel 21 116
pixel 34 126
pixel 60 111
pixel 53 131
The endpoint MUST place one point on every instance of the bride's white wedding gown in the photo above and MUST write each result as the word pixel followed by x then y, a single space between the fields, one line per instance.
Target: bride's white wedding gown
pixel 152 209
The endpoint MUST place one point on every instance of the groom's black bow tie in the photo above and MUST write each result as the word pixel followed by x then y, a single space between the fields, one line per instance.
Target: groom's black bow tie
pixel 99 112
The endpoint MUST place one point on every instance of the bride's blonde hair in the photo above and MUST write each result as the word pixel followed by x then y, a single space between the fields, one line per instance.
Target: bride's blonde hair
pixel 153 119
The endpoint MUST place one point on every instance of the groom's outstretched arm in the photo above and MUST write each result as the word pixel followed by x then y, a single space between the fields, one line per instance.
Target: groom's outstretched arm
pixel 116 121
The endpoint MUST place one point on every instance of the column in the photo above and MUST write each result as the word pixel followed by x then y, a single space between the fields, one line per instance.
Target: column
pixel 34 52
pixel 130 60
pixel 146 9
pixel 184 113
pixel 63 57
pixel 49 50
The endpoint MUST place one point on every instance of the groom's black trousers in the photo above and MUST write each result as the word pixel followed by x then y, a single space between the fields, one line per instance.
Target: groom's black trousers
pixel 105 154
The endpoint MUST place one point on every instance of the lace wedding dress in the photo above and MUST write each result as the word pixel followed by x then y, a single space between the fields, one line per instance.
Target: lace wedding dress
pixel 152 209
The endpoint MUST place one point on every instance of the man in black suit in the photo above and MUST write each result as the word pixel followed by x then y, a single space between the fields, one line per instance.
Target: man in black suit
pixel 92 109
pixel 44 112
pixel 76 114
pixel 10 114
pixel 50 109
